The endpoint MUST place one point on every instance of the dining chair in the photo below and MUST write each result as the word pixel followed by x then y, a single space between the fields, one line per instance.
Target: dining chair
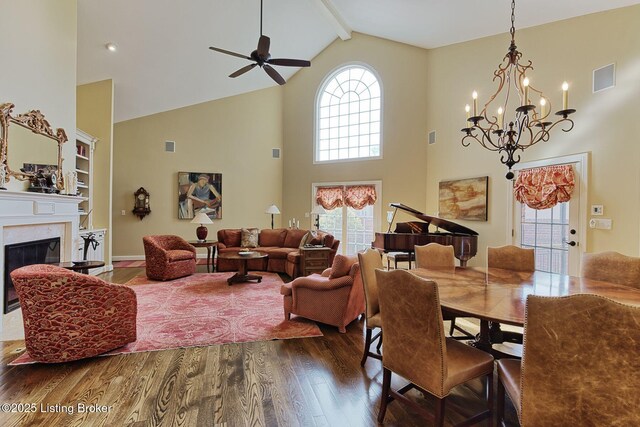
pixel 416 348
pixel 611 267
pixel 512 258
pixel 574 371
pixel 435 255
pixel 369 261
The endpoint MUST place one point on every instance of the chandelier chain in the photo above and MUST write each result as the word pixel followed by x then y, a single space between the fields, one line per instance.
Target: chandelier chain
pixel 512 31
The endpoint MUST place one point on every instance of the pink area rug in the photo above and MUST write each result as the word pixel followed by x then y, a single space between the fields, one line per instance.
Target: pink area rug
pixel 141 263
pixel 202 310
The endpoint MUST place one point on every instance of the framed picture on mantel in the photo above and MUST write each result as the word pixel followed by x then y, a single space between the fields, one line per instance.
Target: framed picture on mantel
pixel 464 199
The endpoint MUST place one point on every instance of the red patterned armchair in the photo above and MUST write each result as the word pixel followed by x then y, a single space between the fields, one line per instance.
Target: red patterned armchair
pixel 70 316
pixel 168 257
pixel 335 297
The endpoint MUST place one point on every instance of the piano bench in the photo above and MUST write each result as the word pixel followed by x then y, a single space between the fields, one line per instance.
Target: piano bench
pixel 400 257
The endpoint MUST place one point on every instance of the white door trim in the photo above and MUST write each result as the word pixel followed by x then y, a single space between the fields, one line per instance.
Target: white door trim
pixel 583 160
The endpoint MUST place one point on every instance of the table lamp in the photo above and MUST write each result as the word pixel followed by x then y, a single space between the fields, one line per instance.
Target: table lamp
pixel 273 210
pixel 202 231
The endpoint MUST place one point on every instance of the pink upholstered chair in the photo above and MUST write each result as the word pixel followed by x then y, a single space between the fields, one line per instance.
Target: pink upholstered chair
pixel 70 316
pixel 168 257
pixel 335 297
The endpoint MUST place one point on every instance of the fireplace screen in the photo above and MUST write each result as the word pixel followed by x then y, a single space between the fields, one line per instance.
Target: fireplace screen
pixel 18 255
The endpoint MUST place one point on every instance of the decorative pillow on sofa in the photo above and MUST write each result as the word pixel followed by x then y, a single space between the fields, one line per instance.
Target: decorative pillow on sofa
pixel 249 238
pixel 341 266
pixel 230 237
pixel 308 239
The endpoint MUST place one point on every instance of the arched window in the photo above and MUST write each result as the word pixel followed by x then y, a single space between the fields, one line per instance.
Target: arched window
pixel 348 115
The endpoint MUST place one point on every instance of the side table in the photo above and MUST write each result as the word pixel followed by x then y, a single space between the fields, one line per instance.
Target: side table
pixel 81 266
pixel 212 246
pixel 314 260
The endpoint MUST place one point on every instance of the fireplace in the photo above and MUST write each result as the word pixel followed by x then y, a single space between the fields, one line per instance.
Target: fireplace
pixel 46 251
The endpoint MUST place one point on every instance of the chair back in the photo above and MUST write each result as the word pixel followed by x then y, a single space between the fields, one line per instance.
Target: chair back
pixel 435 255
pixel 414 341
pixel 580 363
pixel 612 267
pixel 369 261
pixel 511 257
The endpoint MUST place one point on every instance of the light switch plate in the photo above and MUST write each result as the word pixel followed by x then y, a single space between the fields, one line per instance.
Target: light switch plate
pixel 601 224
pixel 597 210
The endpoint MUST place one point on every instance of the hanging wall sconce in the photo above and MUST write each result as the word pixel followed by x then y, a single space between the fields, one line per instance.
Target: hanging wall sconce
pixel 141 206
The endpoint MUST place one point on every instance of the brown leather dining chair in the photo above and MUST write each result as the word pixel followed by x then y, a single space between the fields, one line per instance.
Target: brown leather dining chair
pixel 512 258
pixel 435 255
pixel 611 267
pixel 580 364
pixel 369 261
pixel 415 346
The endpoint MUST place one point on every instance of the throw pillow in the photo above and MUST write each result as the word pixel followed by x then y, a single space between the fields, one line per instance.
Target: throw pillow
pixel 307 239
pixel 341 266
pixel 249 238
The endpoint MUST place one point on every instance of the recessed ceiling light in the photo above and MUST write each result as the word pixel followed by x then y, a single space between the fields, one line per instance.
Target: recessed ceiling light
pixel 111 47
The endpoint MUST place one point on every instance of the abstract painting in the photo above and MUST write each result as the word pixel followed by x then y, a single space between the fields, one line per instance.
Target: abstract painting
pixel 199 192
pixel 464 199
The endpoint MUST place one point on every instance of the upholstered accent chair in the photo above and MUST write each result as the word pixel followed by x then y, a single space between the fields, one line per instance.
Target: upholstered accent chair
pixel 168 257
pixel 335 297
pixel 415 346
pixel 69 316
pixel 611 267
pixel 579 366
pixel 369 261
pixel 512 258
pixel 435 255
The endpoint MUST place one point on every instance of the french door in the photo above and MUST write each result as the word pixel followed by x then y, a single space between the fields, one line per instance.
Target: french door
pixel 355 228
pixel 557 233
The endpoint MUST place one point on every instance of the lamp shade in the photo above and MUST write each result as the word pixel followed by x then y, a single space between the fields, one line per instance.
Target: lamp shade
pixel 273 210
pixel 201 218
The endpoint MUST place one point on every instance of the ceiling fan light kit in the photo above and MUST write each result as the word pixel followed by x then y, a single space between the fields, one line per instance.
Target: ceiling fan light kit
pixel 262 58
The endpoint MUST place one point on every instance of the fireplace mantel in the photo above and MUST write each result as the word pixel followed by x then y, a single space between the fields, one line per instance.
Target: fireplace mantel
pixel 26 216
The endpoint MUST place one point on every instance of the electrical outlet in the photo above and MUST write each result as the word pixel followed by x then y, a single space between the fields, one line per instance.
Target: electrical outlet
pixel 123 212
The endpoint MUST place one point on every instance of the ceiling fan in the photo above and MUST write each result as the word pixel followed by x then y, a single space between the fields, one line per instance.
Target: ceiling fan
pixel 262 58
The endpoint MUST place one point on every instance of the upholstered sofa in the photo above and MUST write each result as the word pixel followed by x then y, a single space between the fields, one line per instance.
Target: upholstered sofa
pixel 280 244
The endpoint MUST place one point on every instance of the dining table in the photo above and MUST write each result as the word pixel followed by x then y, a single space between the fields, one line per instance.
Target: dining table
pixel 495 295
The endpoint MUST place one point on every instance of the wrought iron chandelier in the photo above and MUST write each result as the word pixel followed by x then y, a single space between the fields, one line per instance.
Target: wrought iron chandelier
pixel 530 125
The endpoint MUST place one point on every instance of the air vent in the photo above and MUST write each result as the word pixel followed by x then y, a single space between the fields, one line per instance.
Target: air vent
pixel 432 137
pixel 170 146
pixel 604 78
pixel 275 153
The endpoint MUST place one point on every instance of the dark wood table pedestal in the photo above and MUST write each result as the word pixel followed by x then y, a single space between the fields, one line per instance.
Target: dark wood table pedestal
pixel 242 275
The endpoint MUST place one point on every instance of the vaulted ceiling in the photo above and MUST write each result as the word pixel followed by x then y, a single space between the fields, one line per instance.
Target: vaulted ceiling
pixel 163 61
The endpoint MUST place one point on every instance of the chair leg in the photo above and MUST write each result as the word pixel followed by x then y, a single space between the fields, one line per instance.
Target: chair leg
pixel 490 397
pixel 453 326
pixel 439 421
pixel 500 404
pixel 379 343
pixel 367 344
pixel 384 400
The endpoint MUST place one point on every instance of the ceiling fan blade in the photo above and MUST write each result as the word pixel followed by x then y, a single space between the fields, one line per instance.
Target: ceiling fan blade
pixel 228 52
pixel 273 74
pixel 290 62
pixel 263 46
pixel 242 70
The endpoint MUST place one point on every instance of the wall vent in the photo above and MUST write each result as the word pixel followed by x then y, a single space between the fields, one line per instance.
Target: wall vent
pixel 275 153
pixel 604 78
pixel 170 146
pixel 432 137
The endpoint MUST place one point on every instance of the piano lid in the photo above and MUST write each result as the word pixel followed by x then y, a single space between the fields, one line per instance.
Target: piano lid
pixel 449 226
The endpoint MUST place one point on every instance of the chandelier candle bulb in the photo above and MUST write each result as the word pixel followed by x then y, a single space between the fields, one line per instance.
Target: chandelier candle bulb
pixel 565 96
pixel 525 98
pixel 543 108
pixel 500 118
pixel 467 109
pixel 474 95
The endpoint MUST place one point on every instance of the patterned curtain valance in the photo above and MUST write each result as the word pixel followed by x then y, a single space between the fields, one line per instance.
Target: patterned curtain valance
pixel 330 197
pixel 354 196
pixel 359 196
pixel 543 188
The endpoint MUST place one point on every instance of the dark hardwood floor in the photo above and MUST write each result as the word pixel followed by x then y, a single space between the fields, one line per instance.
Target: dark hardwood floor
pixel 307 382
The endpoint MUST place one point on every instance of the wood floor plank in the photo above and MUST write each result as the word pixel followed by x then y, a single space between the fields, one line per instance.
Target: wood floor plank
pixel 303 382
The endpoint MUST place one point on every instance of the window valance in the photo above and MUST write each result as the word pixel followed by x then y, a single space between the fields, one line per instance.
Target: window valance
pixel 545 187
pixel 353 196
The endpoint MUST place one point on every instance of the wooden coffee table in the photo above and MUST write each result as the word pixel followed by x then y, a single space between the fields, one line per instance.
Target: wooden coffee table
pixel 242 274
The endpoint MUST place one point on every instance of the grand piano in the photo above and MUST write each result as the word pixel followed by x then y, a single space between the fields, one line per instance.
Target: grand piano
pixel 409 234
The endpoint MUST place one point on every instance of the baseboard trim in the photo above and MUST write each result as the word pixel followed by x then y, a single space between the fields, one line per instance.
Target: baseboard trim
pixel 141 257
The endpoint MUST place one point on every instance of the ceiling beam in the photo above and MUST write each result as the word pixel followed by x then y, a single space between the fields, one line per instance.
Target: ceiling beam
pixel 331 13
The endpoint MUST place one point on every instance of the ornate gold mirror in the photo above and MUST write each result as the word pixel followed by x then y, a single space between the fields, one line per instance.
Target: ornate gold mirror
pixel 31 145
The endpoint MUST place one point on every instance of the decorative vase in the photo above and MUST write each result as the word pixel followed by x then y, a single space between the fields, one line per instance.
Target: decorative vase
pixel 202 232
